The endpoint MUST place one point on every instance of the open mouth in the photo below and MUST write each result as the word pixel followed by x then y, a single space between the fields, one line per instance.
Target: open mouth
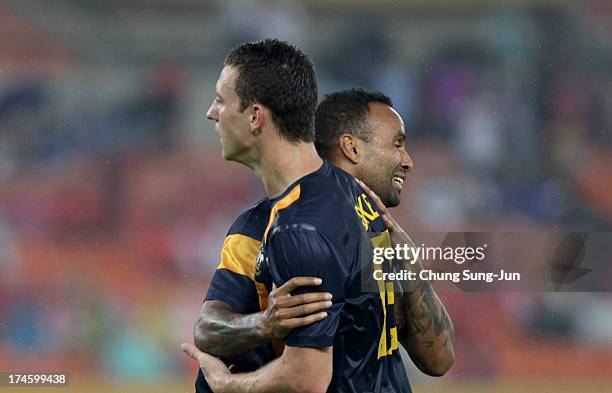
pixel 399 181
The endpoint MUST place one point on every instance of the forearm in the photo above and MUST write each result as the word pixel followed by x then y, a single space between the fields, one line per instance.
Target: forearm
pixel 292 373
pixel 222 332
pixel 425 328
pixel 270 378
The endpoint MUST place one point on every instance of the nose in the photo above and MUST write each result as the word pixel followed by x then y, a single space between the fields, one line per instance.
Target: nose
pixel 211 114
pixel 406 161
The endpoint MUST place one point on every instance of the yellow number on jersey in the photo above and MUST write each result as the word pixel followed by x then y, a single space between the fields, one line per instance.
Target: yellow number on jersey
pixel 387 297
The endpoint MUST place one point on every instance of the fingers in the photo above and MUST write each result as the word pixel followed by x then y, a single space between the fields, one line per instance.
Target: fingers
pixel 305 309
pixel 191 351
pixel 296 300
pixel 203 358
pixel 293 323
pixel 379 204
pixel 388 222
pixel 386 216
pixel 297 282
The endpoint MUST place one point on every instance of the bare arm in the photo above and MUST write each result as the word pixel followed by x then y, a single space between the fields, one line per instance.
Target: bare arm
pixel 298 370
pixel 221 331
pixel 424 327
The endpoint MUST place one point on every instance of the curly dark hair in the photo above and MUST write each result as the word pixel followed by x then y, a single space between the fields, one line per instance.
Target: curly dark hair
pixel 344 112
pixel 281 77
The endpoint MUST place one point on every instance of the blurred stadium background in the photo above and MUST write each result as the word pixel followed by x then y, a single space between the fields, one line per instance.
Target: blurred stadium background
pixel 114 199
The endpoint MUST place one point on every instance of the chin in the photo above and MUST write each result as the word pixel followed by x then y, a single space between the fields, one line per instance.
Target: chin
pixel 236 157
pixel 392 201
pixel 228 156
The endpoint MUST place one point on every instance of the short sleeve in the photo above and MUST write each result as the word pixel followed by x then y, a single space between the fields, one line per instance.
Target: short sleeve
pixel 234 289
pixel 300 251
pixel 233 281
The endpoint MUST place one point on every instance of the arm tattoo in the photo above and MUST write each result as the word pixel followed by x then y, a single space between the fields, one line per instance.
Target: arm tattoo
pixel 223 332
pixel 425 329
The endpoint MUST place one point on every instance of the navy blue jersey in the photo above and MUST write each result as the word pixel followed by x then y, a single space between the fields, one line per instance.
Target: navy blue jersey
pixel 234 283
pixel 319 227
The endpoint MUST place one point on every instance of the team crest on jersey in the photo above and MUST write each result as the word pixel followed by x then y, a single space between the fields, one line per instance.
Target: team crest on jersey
pixel 259 263
pixel 262 271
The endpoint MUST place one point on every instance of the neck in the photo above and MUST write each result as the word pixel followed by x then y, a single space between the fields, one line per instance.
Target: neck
pixel 281 164
pixel 345 165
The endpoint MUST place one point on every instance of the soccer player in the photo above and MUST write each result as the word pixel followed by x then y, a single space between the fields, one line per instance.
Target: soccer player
pixel 360 132
pixel 234 321
pixel 264 92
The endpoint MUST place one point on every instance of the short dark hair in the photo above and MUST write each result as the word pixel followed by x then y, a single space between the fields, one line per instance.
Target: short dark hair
pixel 344 112
pixel 281 77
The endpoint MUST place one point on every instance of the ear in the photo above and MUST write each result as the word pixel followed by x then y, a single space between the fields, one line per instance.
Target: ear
pixel 351 147
pixel 258 115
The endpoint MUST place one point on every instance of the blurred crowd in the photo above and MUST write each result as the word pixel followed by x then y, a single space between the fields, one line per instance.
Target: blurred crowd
pixel 113 207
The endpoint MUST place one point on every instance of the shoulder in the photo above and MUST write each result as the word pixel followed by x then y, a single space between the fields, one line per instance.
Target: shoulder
pixel 334 200
pixel 324 200
pixel 332 181
pixel 328 189
pixel 252 222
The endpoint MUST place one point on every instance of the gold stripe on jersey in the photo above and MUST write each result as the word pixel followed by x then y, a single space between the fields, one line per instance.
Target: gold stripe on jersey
pixel 239 255
pixel 284 203
pixel 262 293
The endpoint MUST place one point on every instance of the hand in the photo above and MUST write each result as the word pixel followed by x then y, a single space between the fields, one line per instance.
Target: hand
pixel 286 312
pixel 214 370
pixel 390 223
